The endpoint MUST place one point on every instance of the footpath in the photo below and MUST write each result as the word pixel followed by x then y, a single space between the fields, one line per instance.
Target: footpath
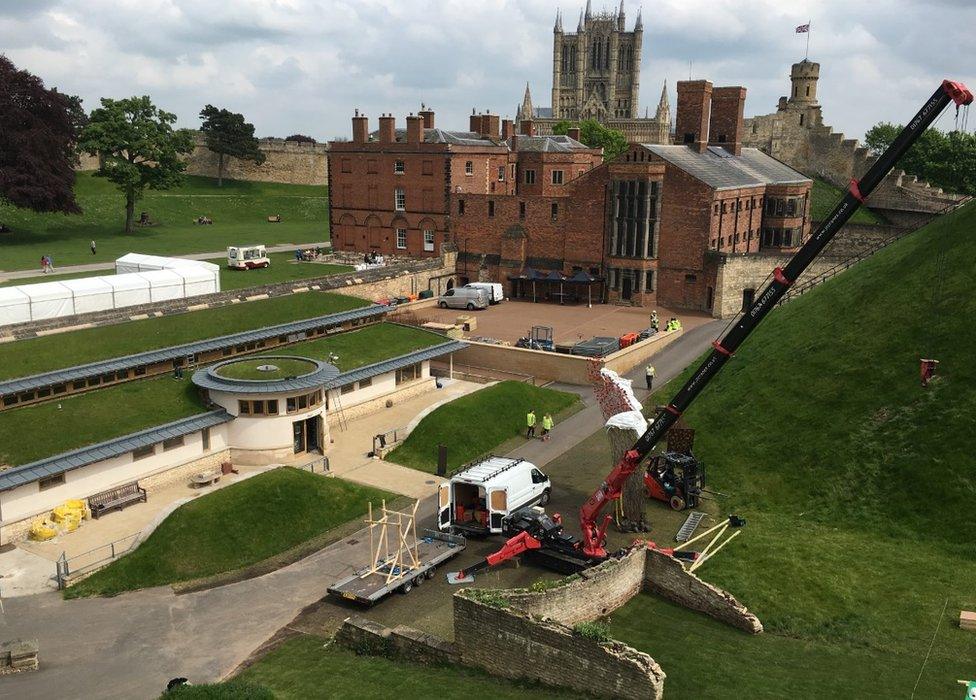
pixel 131 645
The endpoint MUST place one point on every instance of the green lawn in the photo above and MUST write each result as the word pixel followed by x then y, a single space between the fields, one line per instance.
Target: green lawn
pixel 283 269
pixel 239 211
pixel 47 429
pixel 26 357
pixel 857 484
pixel 365 346
pixel 303 667
pixel 234 527
pixel 266 368
pixel 824 198
pixel 478 423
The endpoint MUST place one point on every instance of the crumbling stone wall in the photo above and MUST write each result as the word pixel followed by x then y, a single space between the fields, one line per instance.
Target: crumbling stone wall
pixel 373 639
pixel 665 576
pixel 509 643
pixel 18 655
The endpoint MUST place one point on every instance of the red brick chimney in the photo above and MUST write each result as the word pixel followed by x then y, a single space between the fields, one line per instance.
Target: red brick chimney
pixel 574 133
pixel 474 123
pixel 415 129
pixel 726 125
pixel 387 129
pixel 360 128
pixel 508 129
pixel 527 127
pixel 491 125
pixel 691 121
pixel 427 115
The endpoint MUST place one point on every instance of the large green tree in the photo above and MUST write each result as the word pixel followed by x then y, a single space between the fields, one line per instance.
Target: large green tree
pixel 138 147
pixel 944 159
pixel 38 130
pixel 227 134
pixel 595 135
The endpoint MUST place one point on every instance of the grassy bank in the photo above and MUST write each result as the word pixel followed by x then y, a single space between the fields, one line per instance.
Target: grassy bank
pixel 232 528
pixel 825 196
pixel 26 357
pixel 47 429
pixel 478 423
pixel 239 211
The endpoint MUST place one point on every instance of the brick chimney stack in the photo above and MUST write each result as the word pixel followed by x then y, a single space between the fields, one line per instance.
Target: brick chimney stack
pixel 474 123
pixel 360 128
pixel 508 129
pixel 528 128
pixel 387 129
pixel 574 133
pixel 725 128
pixel 692 119
pixel 427 114
pixel 415 129
pixel 491 125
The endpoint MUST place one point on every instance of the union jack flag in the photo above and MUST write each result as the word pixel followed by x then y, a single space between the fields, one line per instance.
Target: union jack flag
pixel 803 28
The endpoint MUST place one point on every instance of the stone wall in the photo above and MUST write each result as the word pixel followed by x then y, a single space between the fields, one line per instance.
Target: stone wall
pixel 508 643
pixel 590 595
pixel 287 162
pixel 668 578
pixel 373 639
pixel 338 416
pixel 18 655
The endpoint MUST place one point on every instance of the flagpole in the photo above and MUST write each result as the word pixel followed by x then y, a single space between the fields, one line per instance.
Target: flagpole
pixel 809 27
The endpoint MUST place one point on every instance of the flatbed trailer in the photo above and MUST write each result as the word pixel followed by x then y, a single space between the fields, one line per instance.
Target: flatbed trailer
pixel 371 584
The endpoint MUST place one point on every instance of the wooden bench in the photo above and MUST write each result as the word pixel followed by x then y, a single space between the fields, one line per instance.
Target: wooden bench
pixel 116 499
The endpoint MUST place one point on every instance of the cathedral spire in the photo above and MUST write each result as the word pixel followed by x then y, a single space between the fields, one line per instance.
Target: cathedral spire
pixel 558 28
pixel 621 22
pixel 663 108
pixel 639 27
pixel 589 13
pixel 527 111
pixel 579 27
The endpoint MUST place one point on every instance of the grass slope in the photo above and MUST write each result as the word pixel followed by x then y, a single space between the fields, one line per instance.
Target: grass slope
pixel 857 483
pixel 234 527
pixel 239 211
pixel 35 432
pixel 26 357
pixel 367 345
pixel 825 197
pixel 303 667
pixel 478 423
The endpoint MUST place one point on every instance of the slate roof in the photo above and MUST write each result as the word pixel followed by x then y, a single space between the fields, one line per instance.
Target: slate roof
pixel 718 168
pixel 66 461
pixel 70 374
pixel 454 138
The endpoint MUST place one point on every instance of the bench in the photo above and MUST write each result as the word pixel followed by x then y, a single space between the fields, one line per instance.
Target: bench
pixel 206 478
pixel 116 499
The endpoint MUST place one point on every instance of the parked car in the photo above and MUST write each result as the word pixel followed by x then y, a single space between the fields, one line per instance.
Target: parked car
pixel 463 298
pixel 482 494
pixel 496 293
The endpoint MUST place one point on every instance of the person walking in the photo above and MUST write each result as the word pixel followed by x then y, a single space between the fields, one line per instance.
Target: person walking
pixel 44 264
pixel 530 425
pixel 649 374
pixel 50 264
pixel 655 323
pixel 546 426
pixel 92 246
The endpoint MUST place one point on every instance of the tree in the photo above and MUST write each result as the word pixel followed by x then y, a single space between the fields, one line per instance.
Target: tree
pixel 944 159
pixel 138 146
pixel 38 131
pixel 595 135
pixel 227 134
pixel 301 138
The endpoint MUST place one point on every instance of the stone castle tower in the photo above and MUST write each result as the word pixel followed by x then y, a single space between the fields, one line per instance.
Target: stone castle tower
pixel 596 75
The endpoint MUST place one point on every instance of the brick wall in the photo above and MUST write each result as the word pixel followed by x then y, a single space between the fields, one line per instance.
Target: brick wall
pixel 510 644
pixel 666 577
pixel 18 655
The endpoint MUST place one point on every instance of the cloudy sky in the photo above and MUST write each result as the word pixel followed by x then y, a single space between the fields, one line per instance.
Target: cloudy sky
pixel 304 65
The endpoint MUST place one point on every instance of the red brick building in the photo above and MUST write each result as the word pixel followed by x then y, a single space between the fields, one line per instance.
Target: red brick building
pixel 652 225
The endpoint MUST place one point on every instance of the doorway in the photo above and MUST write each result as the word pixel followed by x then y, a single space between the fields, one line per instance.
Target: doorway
pixel 305 434
pixel 627 288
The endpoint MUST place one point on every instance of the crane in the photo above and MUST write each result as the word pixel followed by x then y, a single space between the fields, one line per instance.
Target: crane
pixel 593 525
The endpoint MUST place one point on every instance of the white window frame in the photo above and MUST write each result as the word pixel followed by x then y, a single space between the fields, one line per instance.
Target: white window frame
pixel 399 199
pixel 401 239
pixel 469 167
pixel 428 240
pixel 501 173
pixel 398 167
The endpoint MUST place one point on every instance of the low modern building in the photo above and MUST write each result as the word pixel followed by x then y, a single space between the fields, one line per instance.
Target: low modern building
pixel 258 410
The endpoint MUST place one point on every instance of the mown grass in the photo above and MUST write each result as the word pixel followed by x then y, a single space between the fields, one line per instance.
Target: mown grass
pixel 250 369
pixel 303 667
pixel 476 424
pixel 367 345
pixel 232 528
pixel 825 196
pixel 857 485
pixel 35 432
pixel 239 211
pixel 26 357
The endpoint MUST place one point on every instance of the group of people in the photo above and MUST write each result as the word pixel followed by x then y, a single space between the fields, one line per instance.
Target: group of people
pixel 307 254
pixel 203 221
pixel 46 264
pixel 530 421
pixel 673 323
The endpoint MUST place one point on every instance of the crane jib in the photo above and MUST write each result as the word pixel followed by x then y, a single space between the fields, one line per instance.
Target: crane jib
pixel 766 301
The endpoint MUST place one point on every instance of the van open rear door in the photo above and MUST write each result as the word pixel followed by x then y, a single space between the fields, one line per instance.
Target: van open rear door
pixel 497 508
pixel 444 506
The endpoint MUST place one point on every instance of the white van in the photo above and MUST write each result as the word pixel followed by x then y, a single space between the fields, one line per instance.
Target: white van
pixel 463 298
pixel 496 293
pixel 481 494
pixel 247 257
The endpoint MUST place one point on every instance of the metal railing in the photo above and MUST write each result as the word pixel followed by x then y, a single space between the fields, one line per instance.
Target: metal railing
pixel 92 560
pixel 319 465
pixel 391 437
